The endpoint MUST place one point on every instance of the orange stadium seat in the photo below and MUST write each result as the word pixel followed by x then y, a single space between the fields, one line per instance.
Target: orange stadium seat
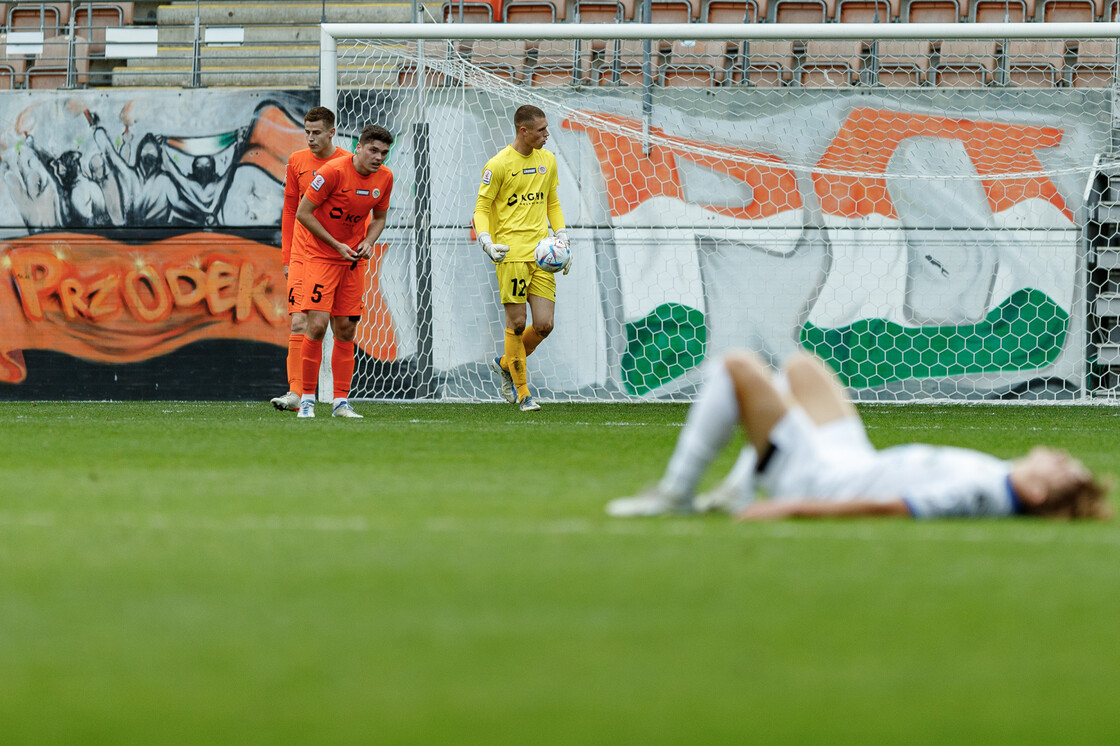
pixel 504 58
pixel 1096 63
pixel 1035 63
pixel 624 67
pixel 1000 11
pixel 930 11
pixel 903 62
pixel 733 11
pixel 534 11
pixel 1069 11
pixel 866 11
pixel 801 11
pixel 604 11
pixel 406 71
pixel 51 18
pixel 966 63
pixel 763 63
pixel 831 64
pixel 673 11
pixel 49 68
pixel 460 11
pixel 555 63
pixel 12 69
pixel 91 20
pixel 700 63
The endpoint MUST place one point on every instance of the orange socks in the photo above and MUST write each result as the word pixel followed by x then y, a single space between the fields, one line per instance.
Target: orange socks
pixel 295 363
pixel 312 358
pixel 342 367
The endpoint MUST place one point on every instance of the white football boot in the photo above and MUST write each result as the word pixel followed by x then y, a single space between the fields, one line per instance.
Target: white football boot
pixel 306 409
pixel 507 380
pixel 343 409
pixel 652 502
pixel 289 402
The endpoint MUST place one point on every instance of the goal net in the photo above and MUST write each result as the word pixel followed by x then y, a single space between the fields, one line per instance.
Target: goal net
pixel 914 203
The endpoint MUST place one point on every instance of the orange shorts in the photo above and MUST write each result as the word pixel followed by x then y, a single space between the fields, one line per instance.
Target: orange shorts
pixel 334 288
pixel 295 284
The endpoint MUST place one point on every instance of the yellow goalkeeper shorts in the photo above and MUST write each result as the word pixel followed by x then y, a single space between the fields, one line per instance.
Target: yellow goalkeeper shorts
pixel 518 280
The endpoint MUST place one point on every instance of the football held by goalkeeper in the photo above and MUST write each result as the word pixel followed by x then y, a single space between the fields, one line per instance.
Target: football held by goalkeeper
pixel 516 205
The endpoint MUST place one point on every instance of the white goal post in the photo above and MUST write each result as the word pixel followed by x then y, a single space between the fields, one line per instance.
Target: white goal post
pixel 923 205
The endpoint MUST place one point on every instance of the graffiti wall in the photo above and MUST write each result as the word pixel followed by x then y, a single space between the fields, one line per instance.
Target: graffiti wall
pixel 140 232
pixel 138 248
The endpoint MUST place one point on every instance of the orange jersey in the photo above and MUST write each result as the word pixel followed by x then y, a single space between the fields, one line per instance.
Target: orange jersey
pixel 343 200
pixel 302 167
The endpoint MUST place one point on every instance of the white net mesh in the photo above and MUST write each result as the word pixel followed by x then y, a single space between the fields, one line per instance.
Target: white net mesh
pixel 913 211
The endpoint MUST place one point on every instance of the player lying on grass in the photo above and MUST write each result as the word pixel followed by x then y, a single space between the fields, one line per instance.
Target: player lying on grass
pixel 808 451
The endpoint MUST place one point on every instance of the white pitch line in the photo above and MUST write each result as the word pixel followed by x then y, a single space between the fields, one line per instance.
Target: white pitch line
pixel 960 532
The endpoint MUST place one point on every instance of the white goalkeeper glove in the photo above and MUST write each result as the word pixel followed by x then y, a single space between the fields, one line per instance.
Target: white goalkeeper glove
pixel 496 251
pixel 562 235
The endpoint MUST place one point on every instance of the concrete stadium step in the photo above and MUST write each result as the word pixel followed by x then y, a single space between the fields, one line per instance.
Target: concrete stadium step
pixel 271 13
pixel 279 75
pixel 245 57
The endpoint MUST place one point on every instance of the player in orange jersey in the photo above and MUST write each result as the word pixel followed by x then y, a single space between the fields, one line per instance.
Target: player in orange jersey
pixel 336 209
pixel 318 128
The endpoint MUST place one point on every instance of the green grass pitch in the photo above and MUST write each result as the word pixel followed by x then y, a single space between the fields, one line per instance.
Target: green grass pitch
pixel 445 574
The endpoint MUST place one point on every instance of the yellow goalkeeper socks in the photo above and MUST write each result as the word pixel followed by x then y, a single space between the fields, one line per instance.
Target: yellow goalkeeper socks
pixel 531 339
pixel 515 359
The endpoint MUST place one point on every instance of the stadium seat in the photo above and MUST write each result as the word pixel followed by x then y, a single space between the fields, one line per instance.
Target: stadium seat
pixel 533 11
pixel 625 66
pixel 12 69
pixel 801 11
pixel 763 63
pixel 902 63
pixel 433 50
pixel 49 69
pixel 965 63
pixel 604 11
pixel 733 11
pixel 1069 11
pixel 672 11
pixel 460 11
pixel 91 20
pixel 1035 63
pixel 700 63
pixel 51 18
pixel 1000 11
pixel 555 63
pixel 831 64
pixel 1096 63
pixel 930 11
pixel 504 58
pixel 864 11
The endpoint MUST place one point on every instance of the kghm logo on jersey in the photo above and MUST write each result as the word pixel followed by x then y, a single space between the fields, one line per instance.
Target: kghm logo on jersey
pixel 529 197
pixel 362 192
pixel 317 182
pixel 529 171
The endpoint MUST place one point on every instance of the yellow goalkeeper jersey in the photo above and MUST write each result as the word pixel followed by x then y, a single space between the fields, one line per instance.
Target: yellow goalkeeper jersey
pixel 517 201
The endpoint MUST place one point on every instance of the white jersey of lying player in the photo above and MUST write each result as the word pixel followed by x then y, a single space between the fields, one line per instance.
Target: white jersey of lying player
pixel 836 462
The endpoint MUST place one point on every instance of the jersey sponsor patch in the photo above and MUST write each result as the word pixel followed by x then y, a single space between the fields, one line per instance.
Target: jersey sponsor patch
pixel 317 182
pixel 529 171
pixel 486 176
pixel 363 192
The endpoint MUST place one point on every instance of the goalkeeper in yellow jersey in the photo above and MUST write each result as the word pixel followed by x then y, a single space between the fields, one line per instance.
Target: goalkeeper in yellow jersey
pixel 516 205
